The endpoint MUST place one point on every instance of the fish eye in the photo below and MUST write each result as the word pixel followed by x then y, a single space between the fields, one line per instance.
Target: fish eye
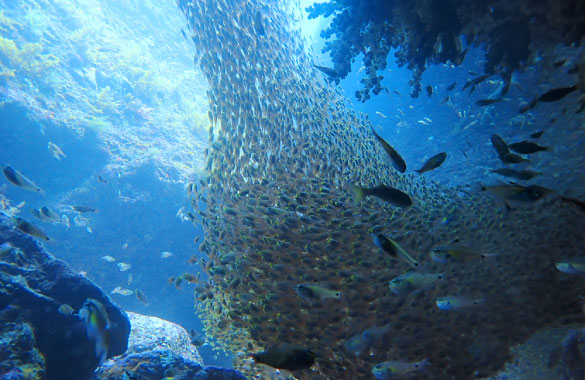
pixel 337 294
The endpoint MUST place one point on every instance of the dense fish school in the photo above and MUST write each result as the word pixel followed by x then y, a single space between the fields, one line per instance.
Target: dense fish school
pixel 279 212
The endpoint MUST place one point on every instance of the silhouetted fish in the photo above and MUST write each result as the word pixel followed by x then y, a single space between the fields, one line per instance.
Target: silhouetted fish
pixel 486 102
pixel 286 356
pixel 327 70
pixel 500 146
pixel 527 147
pixel 397 160
pixel 385 193
pixel 523 175
pixel 433 163
pixel 556 94
pixel 536 135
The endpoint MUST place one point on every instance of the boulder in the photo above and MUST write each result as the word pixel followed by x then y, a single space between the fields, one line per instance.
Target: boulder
pixel 553 353
pixel 33 287
pixel 160 349
pixel 168 335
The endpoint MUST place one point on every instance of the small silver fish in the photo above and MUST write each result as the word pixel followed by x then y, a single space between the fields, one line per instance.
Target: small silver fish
pixel 397 369
pixel 412 281
pixel 17 178
pixel 124 267
pixel 453 303
pixel 314 291
pixel 575 265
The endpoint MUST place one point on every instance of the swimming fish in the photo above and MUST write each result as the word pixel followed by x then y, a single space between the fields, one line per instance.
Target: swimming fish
pixel 393 249
pixel 575 265
pixel 397 160
pixel 140 296
pixel 83 209
pixel 396 369
pixel 486 102
pixel 512 158
pixel 259 24
pixel 56 151
pixel 475 81
pixel 30 229
pixel 286 356
pixel 39 215
pixel 574 202
pixel 316 292
pixel 120 290
pixel 50 214
pixel 451 86
pixel 165 254
pixel 449 254
pixel 453 303
pixel 529 106
pixel 364 341
pixel 331 73
pixel 412 281
pixel 385 193
pixel 66 309
pixel 433 163
pixel 500 146
pixel 556 94
pixel 429 90
pixel 124 267
pixel 97 322
pixel 523 175
pixel 109 259
pixel 196 339
pixel 17 178
pixel 516 192
pixel 536 135
pixel 527 147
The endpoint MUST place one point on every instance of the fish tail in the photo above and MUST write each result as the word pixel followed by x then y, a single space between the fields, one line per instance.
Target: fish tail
pixel 358 193
pixel 101 348
pixel 479 301
pixel 422 364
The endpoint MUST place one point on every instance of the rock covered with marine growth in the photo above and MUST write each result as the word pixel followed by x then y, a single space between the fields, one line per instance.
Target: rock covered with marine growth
pixel 37 340
pixel 160 349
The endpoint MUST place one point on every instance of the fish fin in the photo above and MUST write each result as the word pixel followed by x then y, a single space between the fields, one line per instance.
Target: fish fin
pixel 419 171
pixel 358 193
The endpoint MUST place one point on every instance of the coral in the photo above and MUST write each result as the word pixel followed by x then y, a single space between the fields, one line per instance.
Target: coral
pixel 27 59
pixel 427 32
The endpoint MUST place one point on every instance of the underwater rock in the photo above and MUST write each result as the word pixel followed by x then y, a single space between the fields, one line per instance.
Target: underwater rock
pixel 168 336
pixel 161 363
pixel 557 353
pixel 34 289
pixel 167 353
pixel 19 358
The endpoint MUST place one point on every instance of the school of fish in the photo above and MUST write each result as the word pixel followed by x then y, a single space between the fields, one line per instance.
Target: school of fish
pixel 298 266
